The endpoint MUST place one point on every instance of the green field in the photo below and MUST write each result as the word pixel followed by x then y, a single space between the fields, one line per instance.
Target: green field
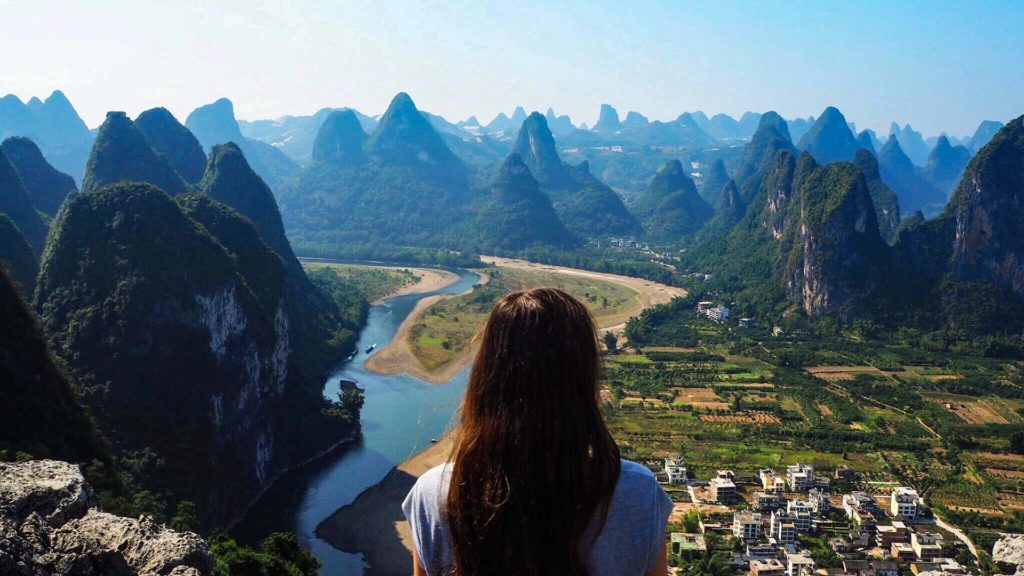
pixel 445 329
pixel 950 425
pixel 373 282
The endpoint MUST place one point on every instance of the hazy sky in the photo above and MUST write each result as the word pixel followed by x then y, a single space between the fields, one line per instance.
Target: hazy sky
pixel 939 66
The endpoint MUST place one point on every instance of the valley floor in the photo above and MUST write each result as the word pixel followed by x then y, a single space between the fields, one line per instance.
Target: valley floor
pixel 436 340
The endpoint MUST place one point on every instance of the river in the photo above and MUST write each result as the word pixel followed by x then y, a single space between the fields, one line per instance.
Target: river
pixel 400 417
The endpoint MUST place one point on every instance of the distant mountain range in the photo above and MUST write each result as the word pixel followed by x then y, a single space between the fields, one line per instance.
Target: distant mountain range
pixel 53 125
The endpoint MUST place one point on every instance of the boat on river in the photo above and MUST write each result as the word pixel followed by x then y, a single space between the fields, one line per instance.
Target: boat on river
pixel 371 347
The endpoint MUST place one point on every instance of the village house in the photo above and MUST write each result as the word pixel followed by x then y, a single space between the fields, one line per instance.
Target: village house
pixel 938 566
pixel 722 487
pixel 799 565
pixel 890 534
pixel 767 567
pixel 771 481
pixel 762 550
pixel 801 514
pixel 820 501
pixel 782 527
pixel 885 568
pixel 800 477
pixel 766 501
pixel 904 503
pixel 902 551
pixel 927 545
pixel 746 525
pixel 683 543
pixel 675 469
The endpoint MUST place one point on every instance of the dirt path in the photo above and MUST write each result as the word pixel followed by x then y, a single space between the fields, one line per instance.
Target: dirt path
pixel 397 357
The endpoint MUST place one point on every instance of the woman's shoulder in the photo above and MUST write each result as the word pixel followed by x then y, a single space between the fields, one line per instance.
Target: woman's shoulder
pixel 633 472
pixel 433 484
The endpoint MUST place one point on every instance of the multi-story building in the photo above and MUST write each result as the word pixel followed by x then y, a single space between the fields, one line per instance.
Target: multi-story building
pixel 902 551
pixel 800 477
pixel 860 507
pixel 885 568
pixel 746 525
pixel 820 501
pixel 890 534
pixel 718 313
pixel 675 468
pixel 761 550
pixel 722 487
pixel 766 501
pixel 767 567
pixel 799 565
pixel 771 481
pixel 782 527
pixel 904 503
pixel 802 515
pixel 927 545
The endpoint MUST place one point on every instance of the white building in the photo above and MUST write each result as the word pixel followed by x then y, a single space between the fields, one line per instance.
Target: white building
pixel 800 477
pixel 904 502
pixel 746 525
pixel 675 468
pixel 927 545
pixel 799 565
pixel 718 313
pixel 820 501
pixel 766 501
pixel 783 527
pixel 802 515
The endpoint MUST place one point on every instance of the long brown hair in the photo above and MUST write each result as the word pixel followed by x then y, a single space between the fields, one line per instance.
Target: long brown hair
pixel 534 463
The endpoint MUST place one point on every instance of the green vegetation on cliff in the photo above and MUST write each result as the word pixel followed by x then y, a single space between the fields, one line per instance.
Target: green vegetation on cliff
pixel 47 186
pixel 517 214
pixel 131 286
pixel 174 142
pixel 16 203
pixel 40 415
pixel 17 258
pixel 121 153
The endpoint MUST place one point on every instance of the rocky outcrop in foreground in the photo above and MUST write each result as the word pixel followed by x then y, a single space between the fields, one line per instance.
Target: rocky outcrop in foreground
pixel 50 525
pixel 1009 551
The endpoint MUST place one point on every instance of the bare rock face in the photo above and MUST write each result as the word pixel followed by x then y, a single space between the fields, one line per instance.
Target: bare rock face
pixel 1009 550
pixel 49 525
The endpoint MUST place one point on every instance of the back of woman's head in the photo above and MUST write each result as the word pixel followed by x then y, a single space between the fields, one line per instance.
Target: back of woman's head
pixel 534 462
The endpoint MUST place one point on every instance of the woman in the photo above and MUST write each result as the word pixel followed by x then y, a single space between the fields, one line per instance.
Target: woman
pixel 536 486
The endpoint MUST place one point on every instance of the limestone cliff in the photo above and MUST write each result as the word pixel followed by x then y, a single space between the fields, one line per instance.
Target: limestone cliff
pixel 175 324
pixel 837 262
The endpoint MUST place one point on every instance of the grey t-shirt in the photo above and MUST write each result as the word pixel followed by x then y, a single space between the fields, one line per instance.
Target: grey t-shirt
pixel 629 544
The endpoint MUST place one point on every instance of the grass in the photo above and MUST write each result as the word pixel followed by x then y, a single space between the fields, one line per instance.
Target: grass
pixel 446 329
pixel 373 282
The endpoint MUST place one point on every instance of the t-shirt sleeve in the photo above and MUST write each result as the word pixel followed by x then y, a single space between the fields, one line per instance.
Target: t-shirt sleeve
pixel 417 515
pixel 662 508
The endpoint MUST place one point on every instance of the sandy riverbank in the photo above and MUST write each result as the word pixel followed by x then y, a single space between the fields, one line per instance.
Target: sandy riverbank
pixel 398 357
pixel 429 279
pixel 374 525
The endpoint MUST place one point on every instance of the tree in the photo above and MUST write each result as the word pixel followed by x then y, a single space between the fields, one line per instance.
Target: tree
pixel 611 341
pixel 185 518
pixel 1017 442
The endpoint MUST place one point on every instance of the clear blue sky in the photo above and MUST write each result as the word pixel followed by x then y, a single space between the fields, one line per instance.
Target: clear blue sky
pixel 941 66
